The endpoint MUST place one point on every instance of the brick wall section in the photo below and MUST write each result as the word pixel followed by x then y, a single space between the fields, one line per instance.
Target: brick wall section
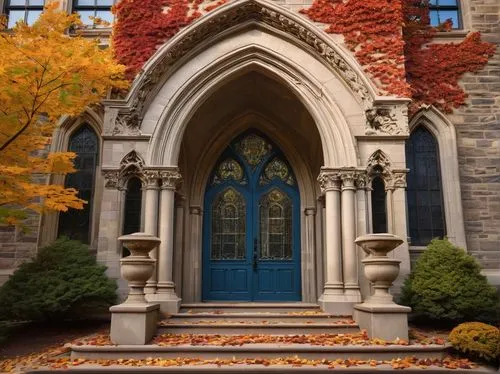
pixel 478 137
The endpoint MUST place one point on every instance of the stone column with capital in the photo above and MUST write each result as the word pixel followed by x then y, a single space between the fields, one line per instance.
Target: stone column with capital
pixel 308 258
pixel 349 251
pixel 165 294
pixel 151 220
pixel 332 296
pixel 399 222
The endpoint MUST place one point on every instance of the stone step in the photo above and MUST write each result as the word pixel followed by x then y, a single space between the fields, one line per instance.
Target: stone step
pixel 262 351
pixel 246 307
pixel 238 368
pixel 312 316
pixel 235 328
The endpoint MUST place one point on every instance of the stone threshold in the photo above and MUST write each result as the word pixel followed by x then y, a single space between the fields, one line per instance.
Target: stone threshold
pixel 264 351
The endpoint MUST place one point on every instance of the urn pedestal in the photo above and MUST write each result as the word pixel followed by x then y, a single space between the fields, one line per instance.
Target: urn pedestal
pixel 379 314
pixel 134 321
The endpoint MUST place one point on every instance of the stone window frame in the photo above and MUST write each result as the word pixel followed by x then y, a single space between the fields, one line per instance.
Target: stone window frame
pixel 49 224
pixel 444 132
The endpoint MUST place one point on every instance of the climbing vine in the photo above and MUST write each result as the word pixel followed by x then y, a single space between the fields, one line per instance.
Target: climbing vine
pixel 392 40
pixel 144 25
pixel 372 31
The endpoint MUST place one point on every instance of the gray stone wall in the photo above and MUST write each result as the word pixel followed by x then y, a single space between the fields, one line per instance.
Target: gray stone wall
pixel 478 141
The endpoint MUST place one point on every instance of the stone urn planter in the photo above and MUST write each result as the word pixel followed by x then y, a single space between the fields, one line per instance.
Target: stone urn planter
pixel 379 269
pixel 379 314
pixel 134 321
pixel 138 267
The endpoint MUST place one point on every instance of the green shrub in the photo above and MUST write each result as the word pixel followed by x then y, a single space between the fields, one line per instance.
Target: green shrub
pixel 446 285
pixel 477 340
pixel 62 281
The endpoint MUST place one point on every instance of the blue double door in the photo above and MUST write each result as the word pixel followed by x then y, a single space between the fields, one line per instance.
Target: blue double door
pixel 251 238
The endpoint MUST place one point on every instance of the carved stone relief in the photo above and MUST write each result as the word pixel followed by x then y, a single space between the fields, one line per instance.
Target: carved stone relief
pixel 387 120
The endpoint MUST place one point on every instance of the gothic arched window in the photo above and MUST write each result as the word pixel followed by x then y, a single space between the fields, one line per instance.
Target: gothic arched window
pixel 379 212
pixel 133 202
pixel 74 223
pixel 424 193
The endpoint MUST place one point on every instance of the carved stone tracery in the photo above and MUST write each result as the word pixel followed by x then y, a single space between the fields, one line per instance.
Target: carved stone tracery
pixel 247 11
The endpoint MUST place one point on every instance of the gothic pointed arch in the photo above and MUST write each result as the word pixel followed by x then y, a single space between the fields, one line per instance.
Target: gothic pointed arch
pixel 235 16
pixel 379 165
pixel 443 131
pixel 131 165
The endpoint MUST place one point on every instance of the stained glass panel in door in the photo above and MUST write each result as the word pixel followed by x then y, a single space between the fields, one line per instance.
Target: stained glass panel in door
pixel 228 226
pixel 275 213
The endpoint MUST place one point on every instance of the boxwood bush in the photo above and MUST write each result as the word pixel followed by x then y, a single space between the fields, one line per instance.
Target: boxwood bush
pixel 446 285
pixel 476 340
pixel 63 281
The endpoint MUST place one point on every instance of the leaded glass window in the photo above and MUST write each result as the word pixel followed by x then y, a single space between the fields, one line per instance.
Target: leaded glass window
pixel 277 169
pixel 442 10
pixel 379 215
pixel 229 169
pixel 228 226
pixel 424 191
pixel 275 213
pixel 26 11
pixel 75 223
pixel 90 10
pixel 254 149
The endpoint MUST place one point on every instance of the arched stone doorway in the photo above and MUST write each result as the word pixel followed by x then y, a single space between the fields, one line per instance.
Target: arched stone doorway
pixel 252 101
pixel 330 121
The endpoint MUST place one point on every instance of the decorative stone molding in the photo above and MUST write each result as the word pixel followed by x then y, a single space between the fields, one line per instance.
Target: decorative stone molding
pixel 387 120
pixel 380 165
pixel 127 123
pixel 170 179
pixel 329 180
pixel 240 13
pixel 132 165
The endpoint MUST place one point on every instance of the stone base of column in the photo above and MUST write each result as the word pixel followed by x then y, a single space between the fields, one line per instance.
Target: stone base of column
pixel 336 304
pixel 169 302
pixel 150 287
pixel 133 324
pixel 388 322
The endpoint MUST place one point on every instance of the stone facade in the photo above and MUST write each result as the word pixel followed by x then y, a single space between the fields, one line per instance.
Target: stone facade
pixel 478 141
pixel 328 119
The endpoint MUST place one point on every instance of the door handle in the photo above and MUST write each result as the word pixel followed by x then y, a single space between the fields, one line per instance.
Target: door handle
pixel 254 262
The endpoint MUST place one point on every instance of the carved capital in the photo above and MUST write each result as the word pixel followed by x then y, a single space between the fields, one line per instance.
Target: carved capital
pixel 151 178
pixel 399 178
pixel 362 180
pixel 310 211
pixel 387 120
pixel 195 210
pixel 112 178
pixel 348 179
pixel 329 180
pixel 170 179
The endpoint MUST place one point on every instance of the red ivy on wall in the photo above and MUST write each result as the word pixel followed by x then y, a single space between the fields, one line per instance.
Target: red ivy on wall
pixel 144 25
pixel 372 31
pixel 391 40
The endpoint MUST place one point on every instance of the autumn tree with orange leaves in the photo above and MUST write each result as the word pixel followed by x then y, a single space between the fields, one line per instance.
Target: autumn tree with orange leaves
pixel 45 74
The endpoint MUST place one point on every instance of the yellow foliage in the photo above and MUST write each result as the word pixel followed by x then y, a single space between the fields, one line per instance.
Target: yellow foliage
pixel 45 74
pixel 477 339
